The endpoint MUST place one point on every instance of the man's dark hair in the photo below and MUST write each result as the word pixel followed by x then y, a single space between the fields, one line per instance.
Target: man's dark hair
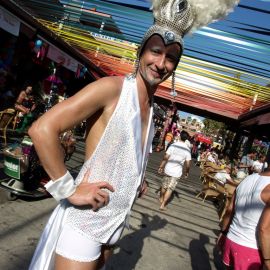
pixel 184 135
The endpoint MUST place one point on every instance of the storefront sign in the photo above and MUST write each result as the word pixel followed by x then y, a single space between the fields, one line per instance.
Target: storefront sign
pixel 12 167
pixel 62 58
pixel 9 22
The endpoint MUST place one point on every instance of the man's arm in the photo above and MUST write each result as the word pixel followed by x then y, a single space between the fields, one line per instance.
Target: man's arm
pixel 264 228
pixel 163 163
pixel 65 115
pixel 226 222
pixel 227 218
pixel 46 130
pixel 187 168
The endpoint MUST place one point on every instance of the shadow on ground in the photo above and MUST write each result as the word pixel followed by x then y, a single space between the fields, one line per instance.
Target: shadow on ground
pixel 129 248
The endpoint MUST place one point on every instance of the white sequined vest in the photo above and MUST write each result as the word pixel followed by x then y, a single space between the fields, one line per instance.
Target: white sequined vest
pixel 119 160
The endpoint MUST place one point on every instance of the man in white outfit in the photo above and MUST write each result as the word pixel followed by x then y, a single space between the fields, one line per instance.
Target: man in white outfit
pixel 93 207
pixel 176 158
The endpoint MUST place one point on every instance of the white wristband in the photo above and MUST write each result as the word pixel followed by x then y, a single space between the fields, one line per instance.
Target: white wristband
pixel 62 187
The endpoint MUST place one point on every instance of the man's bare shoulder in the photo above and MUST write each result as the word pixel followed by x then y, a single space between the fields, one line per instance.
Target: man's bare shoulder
pixel 98 94
pixel 110 85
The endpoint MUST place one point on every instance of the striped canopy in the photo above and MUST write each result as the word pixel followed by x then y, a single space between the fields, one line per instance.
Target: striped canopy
pixel 225 68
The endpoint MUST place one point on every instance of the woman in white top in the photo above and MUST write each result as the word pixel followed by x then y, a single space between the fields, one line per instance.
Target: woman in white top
pixel 246 225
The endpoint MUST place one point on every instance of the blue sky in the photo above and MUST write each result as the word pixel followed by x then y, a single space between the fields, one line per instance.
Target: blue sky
pixel 185 115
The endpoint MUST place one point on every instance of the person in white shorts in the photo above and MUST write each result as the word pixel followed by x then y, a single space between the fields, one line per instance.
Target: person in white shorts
pixel 177 157
pixel 93 208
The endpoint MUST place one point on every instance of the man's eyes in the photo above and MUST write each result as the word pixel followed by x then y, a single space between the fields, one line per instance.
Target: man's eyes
pixel 155 51
pixel 172 58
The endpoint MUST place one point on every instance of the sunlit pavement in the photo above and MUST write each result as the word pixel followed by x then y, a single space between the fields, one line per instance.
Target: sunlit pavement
pixel 183 237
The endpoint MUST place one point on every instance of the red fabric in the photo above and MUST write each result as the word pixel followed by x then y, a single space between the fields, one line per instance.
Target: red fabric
pixel 241 257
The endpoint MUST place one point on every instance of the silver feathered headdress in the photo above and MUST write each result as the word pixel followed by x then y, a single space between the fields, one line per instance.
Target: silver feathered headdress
pixel 175 18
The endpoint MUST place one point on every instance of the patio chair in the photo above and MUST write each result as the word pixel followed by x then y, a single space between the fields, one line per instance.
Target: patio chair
pixel 15 120
pixel 212 188
pixel 210 169
pixel 6 118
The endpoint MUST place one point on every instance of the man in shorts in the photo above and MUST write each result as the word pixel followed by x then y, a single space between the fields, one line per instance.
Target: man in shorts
pixel 94 207
pixel 177 157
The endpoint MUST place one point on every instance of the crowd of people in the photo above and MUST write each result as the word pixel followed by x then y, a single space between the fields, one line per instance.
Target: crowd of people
pixel 244 236
pixel 245 227
pixel 239 167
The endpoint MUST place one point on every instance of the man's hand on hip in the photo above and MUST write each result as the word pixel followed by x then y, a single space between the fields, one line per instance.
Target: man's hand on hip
pixel 92 194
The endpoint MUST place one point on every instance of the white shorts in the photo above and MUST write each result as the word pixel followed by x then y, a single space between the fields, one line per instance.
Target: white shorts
pixel 74 246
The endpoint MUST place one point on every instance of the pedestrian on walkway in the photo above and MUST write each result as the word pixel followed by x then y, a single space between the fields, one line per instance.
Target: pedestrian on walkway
pixel 246 225
pixel 94 207
pixel 177 157
pixel 168 140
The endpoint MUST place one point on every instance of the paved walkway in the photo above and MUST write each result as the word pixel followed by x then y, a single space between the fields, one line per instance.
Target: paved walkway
pixel 183 237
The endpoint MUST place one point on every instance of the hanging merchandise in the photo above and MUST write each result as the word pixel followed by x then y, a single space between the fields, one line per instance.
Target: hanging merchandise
pixel 78 71
pixel 51 67
pixel 40 49
pixel 43 51
pixel 53 80
pixel 38 44
pixel 81 71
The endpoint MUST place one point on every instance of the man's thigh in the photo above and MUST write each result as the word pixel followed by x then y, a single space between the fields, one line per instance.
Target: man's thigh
pixel 62 263
pixel 73 248
pixel 76 250
pixel 169 182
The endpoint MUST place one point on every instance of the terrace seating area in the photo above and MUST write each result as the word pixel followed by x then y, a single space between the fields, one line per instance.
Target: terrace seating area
pixel 214 189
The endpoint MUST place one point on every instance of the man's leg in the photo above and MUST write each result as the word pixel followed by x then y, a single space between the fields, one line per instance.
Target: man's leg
pixel 106 252
pixel 162 194
pixel 171 183
pixel 62 263
pixel 166 197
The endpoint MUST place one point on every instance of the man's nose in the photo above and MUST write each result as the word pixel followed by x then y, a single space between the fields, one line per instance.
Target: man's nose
pixel 160 63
